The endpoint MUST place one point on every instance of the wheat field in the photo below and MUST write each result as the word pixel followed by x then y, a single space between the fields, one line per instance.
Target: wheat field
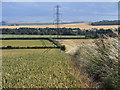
pixel 40 68
pixel 26 43
pixel 77 25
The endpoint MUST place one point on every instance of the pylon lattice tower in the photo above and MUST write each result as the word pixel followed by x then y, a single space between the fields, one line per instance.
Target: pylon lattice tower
pixel 58 20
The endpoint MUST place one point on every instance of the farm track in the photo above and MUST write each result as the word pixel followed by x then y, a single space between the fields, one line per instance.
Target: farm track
pixel 43 43
pixel 72 45
pixel 73 50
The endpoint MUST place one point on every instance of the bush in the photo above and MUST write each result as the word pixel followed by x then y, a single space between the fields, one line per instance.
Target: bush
pixel 63 47
pixel 9 47
pixel 100 61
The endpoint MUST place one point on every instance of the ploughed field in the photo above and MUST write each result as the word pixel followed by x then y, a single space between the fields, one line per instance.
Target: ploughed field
pixel 26 43
pixel 40 68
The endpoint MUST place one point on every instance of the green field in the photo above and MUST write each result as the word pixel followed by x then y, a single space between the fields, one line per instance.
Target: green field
pixel 35 36
pixel 40 68
pixel 26 43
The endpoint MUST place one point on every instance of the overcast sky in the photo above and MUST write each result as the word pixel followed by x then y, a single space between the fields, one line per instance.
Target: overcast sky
pixel 70 11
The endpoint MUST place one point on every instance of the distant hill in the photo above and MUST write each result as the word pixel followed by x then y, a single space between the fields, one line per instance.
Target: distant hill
pixel 105 22
pixel 36 23
pixel 2 23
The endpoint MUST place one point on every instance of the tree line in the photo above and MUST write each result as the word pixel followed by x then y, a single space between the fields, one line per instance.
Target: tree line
pixel 55 31
pixel 106 22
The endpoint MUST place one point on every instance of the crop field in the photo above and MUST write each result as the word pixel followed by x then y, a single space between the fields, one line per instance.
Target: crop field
pixel 40 68
pixel 36 23
pixel 26 43
pixel 36 36
pixel 76 25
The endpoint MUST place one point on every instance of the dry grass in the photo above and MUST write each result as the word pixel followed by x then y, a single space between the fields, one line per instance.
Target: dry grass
pixel 100 61
pixel 77 25
pixel 70 44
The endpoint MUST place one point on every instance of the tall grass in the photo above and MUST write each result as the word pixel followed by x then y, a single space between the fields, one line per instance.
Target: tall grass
pixel 100 61
pixel 40 68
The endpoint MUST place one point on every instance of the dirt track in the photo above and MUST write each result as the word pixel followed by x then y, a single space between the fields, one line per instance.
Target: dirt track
pixel 72 45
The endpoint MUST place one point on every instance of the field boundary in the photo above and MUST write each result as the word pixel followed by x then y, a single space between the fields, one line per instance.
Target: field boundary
pixel 47 38
pixel 54 42
pixel 10 47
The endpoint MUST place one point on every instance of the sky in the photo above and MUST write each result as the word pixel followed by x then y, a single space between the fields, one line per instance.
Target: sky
pixel 69 11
